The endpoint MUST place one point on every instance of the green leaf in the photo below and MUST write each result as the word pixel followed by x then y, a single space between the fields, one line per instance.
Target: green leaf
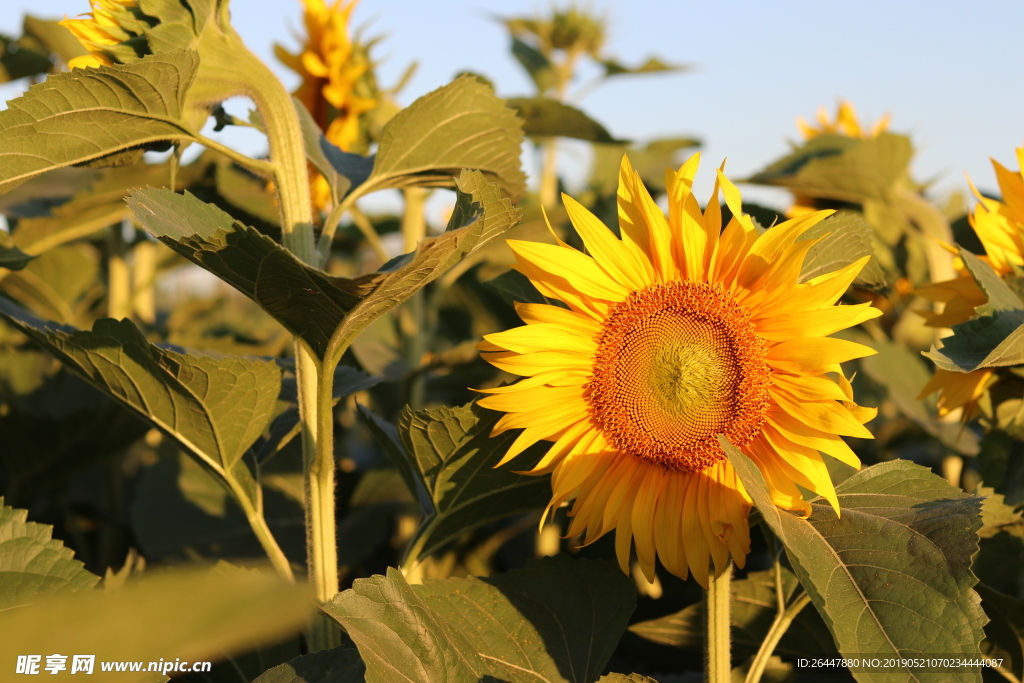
pixel 842 168
pixel 846 238
pixel 313 139
pixel 1001 545
pixel 308 302
pixel 337 665
pixel 32 565
pixel 11 257
pixel 19 59
pixel 1004 633
pixel 195 615
pixel 1001 298
pixel 215 407
pixel 481 214
pixel 453 458
pixel 544 117
pixel 613 67
pixel 904 374
pixel 458 126
pixel 623 678
pixel 988 341
pixel 556 620
pixel 87 114
pixel 53 37
pixel 536 64
pixel 752 611
pixel 876 601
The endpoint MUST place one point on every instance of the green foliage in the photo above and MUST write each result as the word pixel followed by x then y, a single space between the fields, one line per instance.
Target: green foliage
pixel 460 125
pixel 85 116
pixel 195 615
pixel 11 257
pixel 545 117
pixel 557 620
pixel 877 602
pixel 447 458
pixel 842 168
pixel 33 566
pixel 845 238
pixel 753 608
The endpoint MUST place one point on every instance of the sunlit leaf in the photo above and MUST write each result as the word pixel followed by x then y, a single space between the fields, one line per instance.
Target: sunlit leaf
pixel 842 168
pixel 546 117
pixel 1000 297
pixel 556 620
pixel 988 341
pixel 79 116
pixel 623 678
pixel 33 566
pixel 196 615
pixel 461 125
pixel 876 601
pixel 846 238
pixel 450 457
pixel 215 407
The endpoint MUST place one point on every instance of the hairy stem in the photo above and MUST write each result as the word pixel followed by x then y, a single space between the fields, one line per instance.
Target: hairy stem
pixel 119 279
pixel 258 523
pixel 778 628
pixel 718 637
pixel 414 314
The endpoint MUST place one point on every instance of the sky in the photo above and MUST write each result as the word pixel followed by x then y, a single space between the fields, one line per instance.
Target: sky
pixel 948 74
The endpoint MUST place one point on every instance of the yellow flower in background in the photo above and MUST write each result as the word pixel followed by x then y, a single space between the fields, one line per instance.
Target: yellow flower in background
pixel 845 123
pixel 676 333
pixel 99 29
pixel 1000 228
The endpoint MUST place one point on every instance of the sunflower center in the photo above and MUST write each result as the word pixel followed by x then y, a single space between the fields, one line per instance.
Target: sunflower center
pixel 677 365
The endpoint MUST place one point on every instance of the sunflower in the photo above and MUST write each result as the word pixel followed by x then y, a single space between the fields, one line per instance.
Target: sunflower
pixel 846 124
pixel 674 334
pixel 1000 228
pixel 99 30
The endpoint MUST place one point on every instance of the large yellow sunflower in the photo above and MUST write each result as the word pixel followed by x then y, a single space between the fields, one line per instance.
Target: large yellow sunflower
pixel 676 333
pixel 1000 228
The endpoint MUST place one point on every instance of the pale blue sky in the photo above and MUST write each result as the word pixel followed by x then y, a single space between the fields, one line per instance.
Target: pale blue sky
pixel 948 73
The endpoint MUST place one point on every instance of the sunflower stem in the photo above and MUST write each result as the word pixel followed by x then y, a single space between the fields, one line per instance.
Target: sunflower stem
pixel 716 609
pixel 778 628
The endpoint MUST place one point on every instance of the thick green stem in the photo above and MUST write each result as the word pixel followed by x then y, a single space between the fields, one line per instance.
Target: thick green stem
pixel 315 387
pixel 716 609
pixel 779 627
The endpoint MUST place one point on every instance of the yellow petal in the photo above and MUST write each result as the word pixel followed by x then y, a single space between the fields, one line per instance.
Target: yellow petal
pixel 813 353
pixel 609 251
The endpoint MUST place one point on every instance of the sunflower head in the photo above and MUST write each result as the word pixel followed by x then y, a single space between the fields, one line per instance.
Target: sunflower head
pixel 111 32
pixel 671 335
pixel 1000 228
pixel 845 123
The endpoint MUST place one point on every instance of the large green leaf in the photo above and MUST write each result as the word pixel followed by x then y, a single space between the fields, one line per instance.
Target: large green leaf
pixel 460 125
pixel 337 665
pixel 481 214
pixel 545 117
pixel 557 620
pixel 904 374
pixel 33 566
pixel 195 615
pixel 1000 297
pixel 892 577
pixel 992 340
pixel 752 611
pixel 448 458
pixel 842 168
pixel 310 303
pixel 846 237
pixel 215 407
pixel 81 116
